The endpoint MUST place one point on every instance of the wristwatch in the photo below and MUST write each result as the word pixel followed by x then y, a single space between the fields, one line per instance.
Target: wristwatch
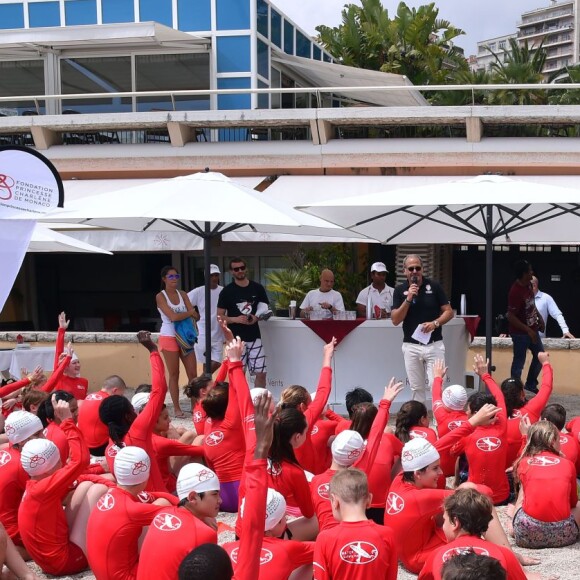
pixel 436 324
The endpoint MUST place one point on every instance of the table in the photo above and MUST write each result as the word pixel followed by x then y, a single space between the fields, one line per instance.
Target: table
pixel 14 359
pixel 367 357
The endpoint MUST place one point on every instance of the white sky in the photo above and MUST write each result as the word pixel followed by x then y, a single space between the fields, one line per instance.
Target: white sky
pixel 480 20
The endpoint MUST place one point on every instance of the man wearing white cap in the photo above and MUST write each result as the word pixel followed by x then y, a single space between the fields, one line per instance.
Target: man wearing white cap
pixel 376 300
pixel 20 427
pixel 175 531
pixel 197 299
pixel 280 557
pixel 56 538
pixel 117 522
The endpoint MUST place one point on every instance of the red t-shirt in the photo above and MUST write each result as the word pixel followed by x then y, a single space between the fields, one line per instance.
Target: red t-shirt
pixel 570 449
pixel 174 532
pixel 78 387
pixel 199 418
pixel 319 436
pixel 289 479
pixel 486 449
pixel 278 557
pixel 95 432
pixel 342 424
pixel 320 492
pixel 41 519
pixel 13 481
pixel 547 471
pixel 55 434
pixel 522 304
pixel 418 432
pixel 306 454
pixel 379 476
pixel 356 550
pixel 141 432
pixel 465 544
pixel 573 426
pixel 113 532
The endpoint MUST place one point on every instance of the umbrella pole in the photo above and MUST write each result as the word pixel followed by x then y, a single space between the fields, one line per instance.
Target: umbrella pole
pixel 206 265
pixel 488 284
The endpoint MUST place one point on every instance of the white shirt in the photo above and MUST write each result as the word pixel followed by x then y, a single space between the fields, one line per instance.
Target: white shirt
pixel 315 297
pixel 197 298
pixel 547 306
pixel 382 299
pixel 167 328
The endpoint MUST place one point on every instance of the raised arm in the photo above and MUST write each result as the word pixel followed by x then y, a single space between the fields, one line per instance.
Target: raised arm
pixel 64 361
pixel 30 378
pixel 481 366
pixel 317 406
pixel 62 326
pixel 536 405
pixel 439 371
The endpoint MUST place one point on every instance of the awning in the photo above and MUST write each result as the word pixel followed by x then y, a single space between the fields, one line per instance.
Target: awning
pixel 324 74
pixel 35 41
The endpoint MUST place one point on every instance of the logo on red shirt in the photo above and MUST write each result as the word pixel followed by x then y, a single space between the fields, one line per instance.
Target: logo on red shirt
pixel 461 550
pixel 488 443
pixel 274 468
pixel 265 556
pixel 106 502
pixel 167 522
pixel 542 461
pixel 563 439
pixel 358 553
pixel 437 404
pixel 417 435
pixel 314 430
pixel 145 497
pixel 214 438
pixel 395 503
pixel 5 457
pixel 324 490
pixel 94 397
pixel 198 417
pixel 454 425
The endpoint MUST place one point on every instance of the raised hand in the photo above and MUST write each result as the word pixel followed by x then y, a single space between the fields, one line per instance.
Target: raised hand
pixel 228 334
pixel 392 390
pixel 235 350
pixel 144 338
pixel 36 375
pixel 328 351
pixel 439 368
pixel 480 365
pixel 61 409
pixel 485 416
pixel 62 321
pixel 544 357
pixel 264 424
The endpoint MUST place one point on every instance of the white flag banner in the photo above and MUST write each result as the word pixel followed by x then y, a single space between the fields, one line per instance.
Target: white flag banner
pixel 29 183
pixel 14 239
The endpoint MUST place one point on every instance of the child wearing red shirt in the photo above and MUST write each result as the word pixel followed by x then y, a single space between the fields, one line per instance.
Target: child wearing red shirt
pixel 545 520
pixel 358 548
pixel 56 538
pixel 569 446
pixel 465 520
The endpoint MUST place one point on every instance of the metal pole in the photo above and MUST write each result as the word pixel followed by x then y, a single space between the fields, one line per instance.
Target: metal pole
pixel 206 265
pixel 488 283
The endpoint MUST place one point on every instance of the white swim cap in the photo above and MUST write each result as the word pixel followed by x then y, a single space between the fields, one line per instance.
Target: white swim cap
pixel 139 401
pixel 39 456
pixel 132 466
pixel 417 454
pixel 347 447
pixel 196 477
pixel 21 425
pixel 455 397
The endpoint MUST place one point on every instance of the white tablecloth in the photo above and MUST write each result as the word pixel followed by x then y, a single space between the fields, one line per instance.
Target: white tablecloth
pixel 28 358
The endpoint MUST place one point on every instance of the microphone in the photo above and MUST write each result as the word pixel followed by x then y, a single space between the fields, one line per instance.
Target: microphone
pixel 414 280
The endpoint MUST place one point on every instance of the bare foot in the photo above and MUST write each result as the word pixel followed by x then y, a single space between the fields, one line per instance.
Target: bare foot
pixel 527 560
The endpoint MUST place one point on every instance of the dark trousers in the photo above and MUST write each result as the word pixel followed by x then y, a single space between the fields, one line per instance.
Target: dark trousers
pixel 521 344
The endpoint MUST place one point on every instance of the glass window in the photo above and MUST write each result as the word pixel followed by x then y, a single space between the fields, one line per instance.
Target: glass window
pixel 233 54
pixel 156 11
pixel 43 14
pixel 241 101
pixel 302 45
pixel 263 60
pixel 194 15
pixel 17 78
pixel 118 11
pixel 80 12
pixel 262 18
pixel 288 99
pixel 326 57
pixel 275 28
pixel 288 38
pixel 11 16
pixel 316 52
pixel 263 98
pixel 275 83
pixel 172 72
pixel 232 14
pixel 96 75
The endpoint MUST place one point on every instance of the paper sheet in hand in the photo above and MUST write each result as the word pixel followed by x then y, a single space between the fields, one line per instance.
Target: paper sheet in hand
pixel 420 336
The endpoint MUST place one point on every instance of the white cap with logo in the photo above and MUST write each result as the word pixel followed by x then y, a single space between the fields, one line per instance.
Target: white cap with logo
pixel 417 454
pixel 21 425
pixel 454 397
pixel 39 456
pixel 347 447
pixel 132 466
pixel 196 477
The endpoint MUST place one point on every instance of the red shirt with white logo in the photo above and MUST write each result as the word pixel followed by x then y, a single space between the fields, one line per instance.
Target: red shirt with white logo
pixel 13 480
pixel 547 471
pixel 141 431
pixel 165 448
pixel 322 431
pixel 466 544
pixel 570 449
pixel 95 432
pixel 447 420
pixel 379 477
pixel 278 557
pixel 113 532
pixel 199 418
pixel 173 532
pixel 486 449
pixel 573 426
pixel 41 519
pixel 78 387
pixel 289 479
pixel 356 550
pixel 306 454
pixel 320 491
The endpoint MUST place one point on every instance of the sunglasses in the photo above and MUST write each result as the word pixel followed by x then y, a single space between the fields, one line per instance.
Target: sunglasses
pixel 173 276
pixel 414 268
pixel 238 269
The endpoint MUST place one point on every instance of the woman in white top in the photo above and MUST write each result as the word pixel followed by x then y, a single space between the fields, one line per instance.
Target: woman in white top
pixel 174 305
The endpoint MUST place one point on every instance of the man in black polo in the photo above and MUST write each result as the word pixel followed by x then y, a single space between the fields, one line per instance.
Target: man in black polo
pixel 238 304
pixel 421 305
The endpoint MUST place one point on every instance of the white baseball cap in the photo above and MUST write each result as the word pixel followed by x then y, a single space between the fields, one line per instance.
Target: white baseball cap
pixel 417 454
pixel 39 456
pixel 21 425
pixel 139 401
pixel 454 397
pixel 347 447
pixel 379 267
pixel 196 477
pixel 132 466
pixel 213 269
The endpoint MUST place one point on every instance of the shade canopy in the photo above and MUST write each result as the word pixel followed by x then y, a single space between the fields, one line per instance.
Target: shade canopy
pixel 46 240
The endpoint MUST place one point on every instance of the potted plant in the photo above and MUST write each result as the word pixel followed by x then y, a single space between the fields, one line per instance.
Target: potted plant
pixel 287 285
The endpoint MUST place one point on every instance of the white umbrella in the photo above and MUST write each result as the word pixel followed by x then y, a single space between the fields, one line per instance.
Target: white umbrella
pixel 46 240
pixel 204 204
pixel 489 208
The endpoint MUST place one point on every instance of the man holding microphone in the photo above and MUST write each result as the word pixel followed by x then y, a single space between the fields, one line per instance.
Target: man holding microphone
pixel 423 308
